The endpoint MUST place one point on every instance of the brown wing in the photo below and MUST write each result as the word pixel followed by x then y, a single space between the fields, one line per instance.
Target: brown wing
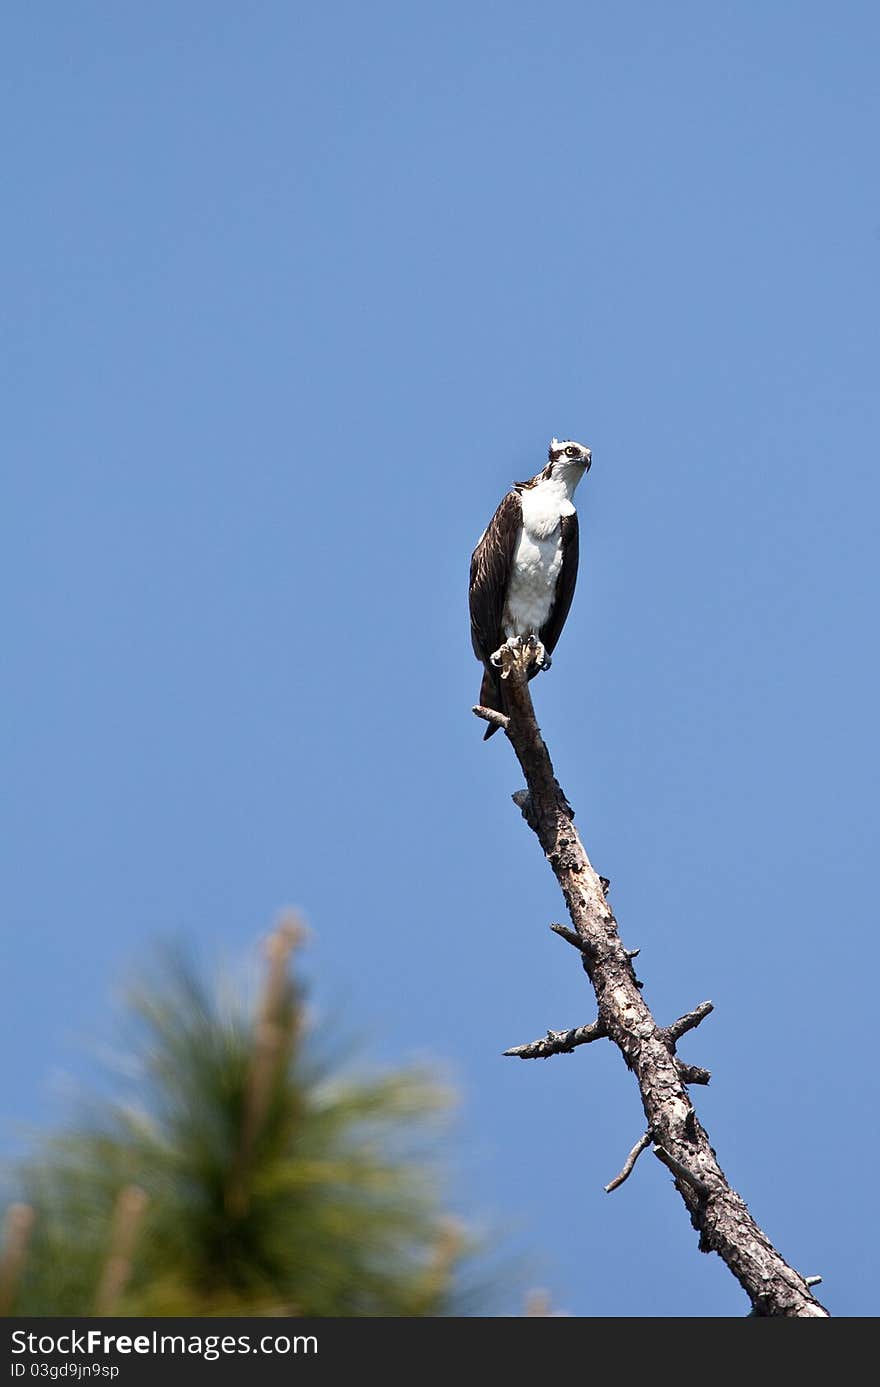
pixel 490 573
pixel 552 628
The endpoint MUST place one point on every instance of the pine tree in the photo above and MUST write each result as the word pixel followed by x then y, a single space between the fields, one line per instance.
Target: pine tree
pixel 245 1177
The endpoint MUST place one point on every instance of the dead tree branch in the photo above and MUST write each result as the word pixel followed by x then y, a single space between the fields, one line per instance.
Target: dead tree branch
pixel 692 1073
pixel 570 937
pixel 717 1212
pixel 491 716
pixel 629 1164
pixel 558 1042
pixel 688 1022
pixel 681 1172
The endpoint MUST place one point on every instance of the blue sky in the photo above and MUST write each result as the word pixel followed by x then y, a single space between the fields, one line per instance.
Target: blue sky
pixel 291 295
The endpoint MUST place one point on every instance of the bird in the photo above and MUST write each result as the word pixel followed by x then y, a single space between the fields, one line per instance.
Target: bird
pixel 524 568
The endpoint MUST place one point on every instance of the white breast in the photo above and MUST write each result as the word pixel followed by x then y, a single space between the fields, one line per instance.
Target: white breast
pixel 537 559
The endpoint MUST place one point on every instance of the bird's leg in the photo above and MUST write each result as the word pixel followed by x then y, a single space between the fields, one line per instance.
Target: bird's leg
pixel 537 654
pixel 496 658
pixel 541 654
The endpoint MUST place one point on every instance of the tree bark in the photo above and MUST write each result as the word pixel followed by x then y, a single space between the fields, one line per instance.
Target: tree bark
pixel 717 1212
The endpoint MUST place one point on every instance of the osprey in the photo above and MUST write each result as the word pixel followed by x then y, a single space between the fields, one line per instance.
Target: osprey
pixel 524 567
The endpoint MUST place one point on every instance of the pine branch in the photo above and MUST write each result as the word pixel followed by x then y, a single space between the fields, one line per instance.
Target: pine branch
pixel 717 1212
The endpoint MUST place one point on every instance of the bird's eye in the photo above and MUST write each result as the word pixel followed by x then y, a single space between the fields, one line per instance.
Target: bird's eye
pixel 570 452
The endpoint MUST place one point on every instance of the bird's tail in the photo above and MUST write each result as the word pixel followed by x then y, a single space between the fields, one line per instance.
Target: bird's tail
pixel 491 696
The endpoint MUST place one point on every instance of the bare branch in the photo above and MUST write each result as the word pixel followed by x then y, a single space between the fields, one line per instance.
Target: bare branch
pixel 490 715
pixel 628 1165
pixel 689 1021
pixel 723 1221
pixel 558 1042
pixel 692 1073
pixel 570 937
pixel 682 1173
pixel 524 805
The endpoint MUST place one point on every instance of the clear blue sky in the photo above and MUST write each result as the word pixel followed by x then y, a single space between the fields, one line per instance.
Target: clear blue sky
pixel 291 294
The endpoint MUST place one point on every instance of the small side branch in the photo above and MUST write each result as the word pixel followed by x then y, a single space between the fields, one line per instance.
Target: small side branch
pixel 682 1172
pixel 571 937
pixel 523 801
pixel 688 1022
pixel 692 1073
pixel 490 715
pixel 558 1042
pixel 643 1142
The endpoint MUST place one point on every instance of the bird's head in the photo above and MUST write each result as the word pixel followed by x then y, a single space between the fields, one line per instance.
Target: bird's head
pixel 569 456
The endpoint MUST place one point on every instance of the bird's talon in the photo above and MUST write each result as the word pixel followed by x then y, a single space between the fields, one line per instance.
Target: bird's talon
pixel 540 653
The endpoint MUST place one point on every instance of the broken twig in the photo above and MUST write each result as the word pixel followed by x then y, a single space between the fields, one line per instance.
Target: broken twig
pixel 628 1165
